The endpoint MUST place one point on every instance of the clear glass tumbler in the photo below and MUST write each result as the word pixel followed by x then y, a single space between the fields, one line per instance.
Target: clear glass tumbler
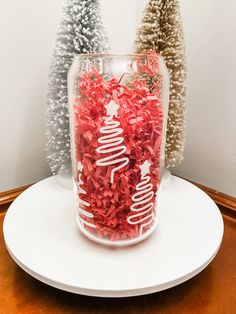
pixel 118 108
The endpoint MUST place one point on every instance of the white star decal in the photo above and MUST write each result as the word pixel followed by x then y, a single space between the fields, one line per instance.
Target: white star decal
pixel 80 166
pixel 145 168
pixel 112 108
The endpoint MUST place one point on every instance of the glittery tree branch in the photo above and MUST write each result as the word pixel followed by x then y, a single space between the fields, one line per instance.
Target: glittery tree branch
pixel 80 31
pixel 162 30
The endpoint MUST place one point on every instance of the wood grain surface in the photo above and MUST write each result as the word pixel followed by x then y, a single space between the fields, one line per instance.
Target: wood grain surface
pixel 213 291
pixel 7 197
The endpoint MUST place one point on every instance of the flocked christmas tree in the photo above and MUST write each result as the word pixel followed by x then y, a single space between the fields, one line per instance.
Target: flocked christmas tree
pixel 162 30
pixel 81 31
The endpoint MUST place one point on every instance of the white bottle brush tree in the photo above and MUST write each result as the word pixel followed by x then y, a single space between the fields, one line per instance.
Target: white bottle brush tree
pixel 80 31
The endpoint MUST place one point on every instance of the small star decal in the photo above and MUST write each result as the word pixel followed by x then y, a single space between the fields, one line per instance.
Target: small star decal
pixel 80 166
pixel 145 168
pixel 112 109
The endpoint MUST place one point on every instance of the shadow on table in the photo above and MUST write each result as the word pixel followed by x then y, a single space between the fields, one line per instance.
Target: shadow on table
pixel 190 297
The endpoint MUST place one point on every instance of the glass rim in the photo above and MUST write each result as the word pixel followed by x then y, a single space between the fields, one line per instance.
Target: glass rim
pixel 111 54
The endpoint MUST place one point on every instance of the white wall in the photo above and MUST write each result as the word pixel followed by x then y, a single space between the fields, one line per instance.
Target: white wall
pixel 116 17
pixel 210 156
pixel 121 19
pixel 27 35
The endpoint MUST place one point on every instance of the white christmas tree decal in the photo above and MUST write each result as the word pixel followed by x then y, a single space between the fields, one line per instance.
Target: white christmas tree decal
pixel 82 202
pixel 112 142
pixel 143 200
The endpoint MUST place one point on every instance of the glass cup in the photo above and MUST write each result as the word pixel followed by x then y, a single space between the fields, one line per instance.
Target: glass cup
pixel 118 108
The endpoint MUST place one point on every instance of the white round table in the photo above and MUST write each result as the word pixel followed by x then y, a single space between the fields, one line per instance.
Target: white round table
pixel 42 237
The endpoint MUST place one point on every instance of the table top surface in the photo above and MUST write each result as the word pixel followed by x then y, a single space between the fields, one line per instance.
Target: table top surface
pixel 213 291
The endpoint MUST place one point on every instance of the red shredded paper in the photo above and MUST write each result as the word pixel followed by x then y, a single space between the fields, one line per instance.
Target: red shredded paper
pixel 118 135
